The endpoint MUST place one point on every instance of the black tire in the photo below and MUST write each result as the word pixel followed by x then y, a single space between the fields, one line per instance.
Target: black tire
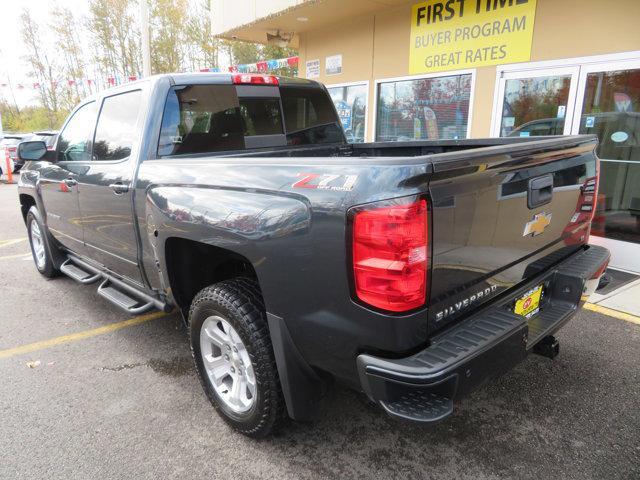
pixel 47 268
pixel 240 303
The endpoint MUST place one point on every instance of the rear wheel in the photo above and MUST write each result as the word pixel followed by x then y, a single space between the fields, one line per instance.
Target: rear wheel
pixel 39 246
pixel 234 357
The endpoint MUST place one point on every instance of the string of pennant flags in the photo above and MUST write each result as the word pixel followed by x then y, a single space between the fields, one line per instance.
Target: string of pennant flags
pixel 71 82
pixel 259 67
pixel 111 81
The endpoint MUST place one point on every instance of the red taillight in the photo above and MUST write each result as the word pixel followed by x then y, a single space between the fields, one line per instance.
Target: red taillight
pixel 390 256
pixel 251 79
pixel 13 152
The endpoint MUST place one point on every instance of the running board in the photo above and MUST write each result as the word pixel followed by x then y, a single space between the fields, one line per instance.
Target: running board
pixel 123 299
pixel 79 274
pixel 121 294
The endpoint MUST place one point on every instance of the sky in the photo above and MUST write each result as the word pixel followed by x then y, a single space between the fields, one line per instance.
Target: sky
pixel 12 65
pixel 13 68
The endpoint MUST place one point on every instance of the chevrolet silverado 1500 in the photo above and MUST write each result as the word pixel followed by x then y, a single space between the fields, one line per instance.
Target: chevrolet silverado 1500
pixel 413 272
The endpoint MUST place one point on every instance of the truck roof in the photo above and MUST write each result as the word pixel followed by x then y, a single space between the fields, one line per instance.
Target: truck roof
pixel 207 77
pixel 195 78
pixel 226 77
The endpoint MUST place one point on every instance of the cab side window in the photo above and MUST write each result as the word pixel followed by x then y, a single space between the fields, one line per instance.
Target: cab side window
pixel 74 142
pixel 116 129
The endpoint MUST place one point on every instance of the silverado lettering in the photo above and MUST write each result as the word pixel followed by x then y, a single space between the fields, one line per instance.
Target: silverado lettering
pixel 464 303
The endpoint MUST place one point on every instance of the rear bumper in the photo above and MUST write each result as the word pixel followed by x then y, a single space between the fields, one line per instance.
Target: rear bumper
pixel 423 387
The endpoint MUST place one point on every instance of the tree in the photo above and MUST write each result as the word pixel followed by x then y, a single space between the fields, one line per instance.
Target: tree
pixel 42 70
pixel 116 36
pixel 201 47
pixel 29 119
pixel 167 18
pixel 269 52
pixel 273 51
pixel 65 26
pixel 244 52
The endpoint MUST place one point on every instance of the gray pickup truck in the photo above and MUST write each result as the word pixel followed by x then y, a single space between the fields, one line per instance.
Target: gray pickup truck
pixel 413 272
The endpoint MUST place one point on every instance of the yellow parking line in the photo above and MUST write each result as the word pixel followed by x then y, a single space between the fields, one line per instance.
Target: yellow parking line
pixel 6 243
pixel 627 317
pixel 74 337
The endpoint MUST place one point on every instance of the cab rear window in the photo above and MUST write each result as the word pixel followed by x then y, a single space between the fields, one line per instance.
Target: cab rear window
pixel 310 116
pixel 214 118
pixel 211 118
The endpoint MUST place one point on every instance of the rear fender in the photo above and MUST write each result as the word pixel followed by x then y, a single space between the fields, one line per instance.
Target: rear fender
pixel 259 227
pixel 256 226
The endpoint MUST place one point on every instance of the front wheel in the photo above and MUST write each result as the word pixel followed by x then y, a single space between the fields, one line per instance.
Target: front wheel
pixel 234 357
pixel 39 247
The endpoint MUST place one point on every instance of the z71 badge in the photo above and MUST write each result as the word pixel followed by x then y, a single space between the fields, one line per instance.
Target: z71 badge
pixel 338 183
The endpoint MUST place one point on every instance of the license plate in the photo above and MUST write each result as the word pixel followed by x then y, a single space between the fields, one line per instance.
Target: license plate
pixel 529 304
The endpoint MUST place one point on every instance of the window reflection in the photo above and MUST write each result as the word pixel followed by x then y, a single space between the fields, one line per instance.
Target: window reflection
pixel 423 109
pixel 610 110
pixel 611 106
pixel 74 143
pixel 535 106
pixel 116 129
pixel 351 105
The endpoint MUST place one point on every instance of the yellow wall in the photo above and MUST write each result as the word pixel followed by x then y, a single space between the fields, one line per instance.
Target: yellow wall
pixel 376 46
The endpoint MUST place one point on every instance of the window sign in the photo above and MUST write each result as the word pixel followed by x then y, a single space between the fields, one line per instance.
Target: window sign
pixel 333 65
pixel 562 110
pixel 344 112
pixel 351 105
pixel 313 68
pixel 423 109
pixel 458 34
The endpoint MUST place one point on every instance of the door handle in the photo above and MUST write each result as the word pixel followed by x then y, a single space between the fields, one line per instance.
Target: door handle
pixel 119 188
pixel 540 191
pixel 70 182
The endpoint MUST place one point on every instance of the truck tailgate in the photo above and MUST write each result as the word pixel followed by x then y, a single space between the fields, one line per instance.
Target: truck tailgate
pixel 502 214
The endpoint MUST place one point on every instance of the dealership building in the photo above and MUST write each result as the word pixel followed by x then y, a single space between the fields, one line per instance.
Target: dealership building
pixel 452 69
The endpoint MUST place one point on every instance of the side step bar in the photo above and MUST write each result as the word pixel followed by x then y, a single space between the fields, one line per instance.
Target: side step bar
pixel 79 274
pixel 122 299
pixel 121 294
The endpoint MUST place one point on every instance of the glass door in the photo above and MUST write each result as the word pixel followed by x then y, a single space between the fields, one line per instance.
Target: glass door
pixel 536 102
pixel 609 107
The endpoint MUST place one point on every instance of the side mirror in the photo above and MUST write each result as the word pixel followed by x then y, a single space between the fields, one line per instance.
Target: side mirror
pixel 32 150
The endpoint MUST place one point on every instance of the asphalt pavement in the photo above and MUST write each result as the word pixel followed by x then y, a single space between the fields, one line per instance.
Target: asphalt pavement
pixel 126 403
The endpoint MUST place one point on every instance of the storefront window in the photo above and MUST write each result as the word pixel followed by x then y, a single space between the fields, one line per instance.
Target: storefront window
pixel 423 109
pixel 535 106
pixel 611 110
pixel 351 104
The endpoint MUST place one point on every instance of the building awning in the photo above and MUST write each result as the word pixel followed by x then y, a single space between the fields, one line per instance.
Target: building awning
pixel 253 21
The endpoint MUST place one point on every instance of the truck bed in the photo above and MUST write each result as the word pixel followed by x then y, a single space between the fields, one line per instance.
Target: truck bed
pixel 378 149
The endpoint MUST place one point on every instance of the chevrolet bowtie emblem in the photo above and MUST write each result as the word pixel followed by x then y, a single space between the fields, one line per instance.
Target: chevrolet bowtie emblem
pixel 537 225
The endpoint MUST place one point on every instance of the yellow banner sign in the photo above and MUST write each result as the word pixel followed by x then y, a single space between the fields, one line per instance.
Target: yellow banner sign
pixel 458 34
